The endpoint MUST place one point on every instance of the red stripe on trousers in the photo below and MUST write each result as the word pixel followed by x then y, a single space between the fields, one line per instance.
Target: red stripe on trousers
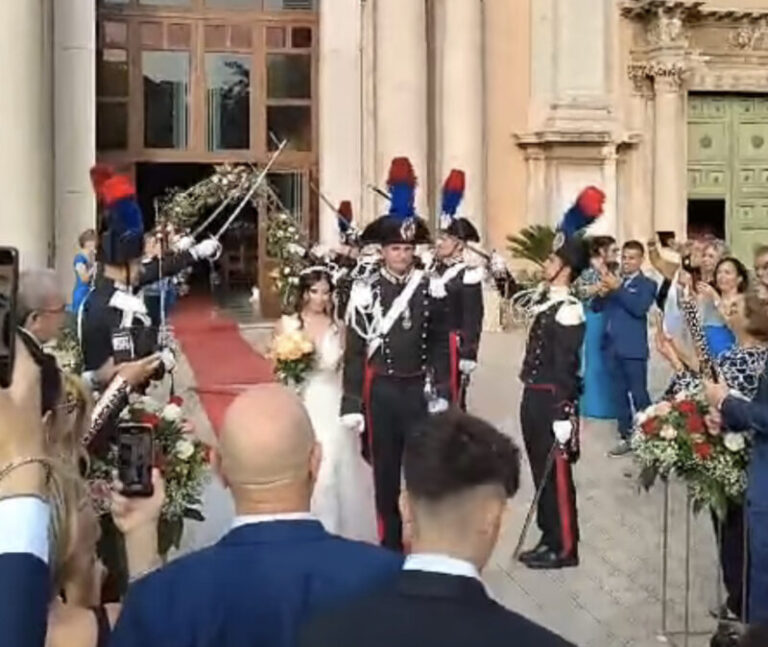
pixel 453 348
pixel 367 386
pixel 564 503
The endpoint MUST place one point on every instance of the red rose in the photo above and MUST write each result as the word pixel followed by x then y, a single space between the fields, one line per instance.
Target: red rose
pixel 650 427
pixel 688 407
pixel 177 400
pixel 150 419
pixel 703 450
pixel 695 424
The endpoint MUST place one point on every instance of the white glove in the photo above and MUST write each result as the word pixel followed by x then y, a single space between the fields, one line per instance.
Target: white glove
pixel 320 251
pixel 208 249
pixel 168 358
pixel 562 430
pixel 498 264
pixel 183 244
pixel 438 405
pixel 467 366
pixel 354 422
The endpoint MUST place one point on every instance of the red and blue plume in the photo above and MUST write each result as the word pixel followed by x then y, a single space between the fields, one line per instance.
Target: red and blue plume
pixel 100 173
pixel 119 197
pixel 587 208
pixel 453 192
pixel 344 216
pixel 402 188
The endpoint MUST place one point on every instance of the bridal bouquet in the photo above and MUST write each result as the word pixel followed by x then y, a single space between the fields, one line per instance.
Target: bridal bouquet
pixel 180 456
pixel 294 356
pixel 671 438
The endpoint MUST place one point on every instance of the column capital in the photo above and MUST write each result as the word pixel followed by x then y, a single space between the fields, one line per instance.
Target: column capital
pixel 639 74
pixel 668 76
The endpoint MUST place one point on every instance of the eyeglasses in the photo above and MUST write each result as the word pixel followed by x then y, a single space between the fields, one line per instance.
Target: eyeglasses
pixel 54 311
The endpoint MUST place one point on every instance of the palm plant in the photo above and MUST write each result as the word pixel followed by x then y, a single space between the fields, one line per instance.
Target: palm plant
pixel 534 243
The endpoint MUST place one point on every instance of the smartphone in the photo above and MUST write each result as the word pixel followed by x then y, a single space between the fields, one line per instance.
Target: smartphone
pixel 135 458
pixel 665 238
pixel 9 280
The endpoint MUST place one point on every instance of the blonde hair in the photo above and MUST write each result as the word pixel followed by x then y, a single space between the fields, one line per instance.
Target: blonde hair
pixel 73 500
pixel 70 422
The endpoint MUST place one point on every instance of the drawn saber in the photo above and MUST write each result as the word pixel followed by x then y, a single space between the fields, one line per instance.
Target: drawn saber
pixel 199 230
pixel 252 190
pixel 535 503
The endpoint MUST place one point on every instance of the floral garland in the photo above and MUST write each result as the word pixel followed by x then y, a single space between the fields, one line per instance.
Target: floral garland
pixel 180 456
pixel 284 245
pixel 183 208
pixel 66 350
pixel 671 437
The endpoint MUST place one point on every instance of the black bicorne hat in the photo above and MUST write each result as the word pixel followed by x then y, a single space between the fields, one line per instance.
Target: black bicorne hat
pixel 401 226
pixel 571 244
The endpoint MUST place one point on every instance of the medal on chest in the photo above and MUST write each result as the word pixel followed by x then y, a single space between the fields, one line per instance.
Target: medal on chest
pixel 407 321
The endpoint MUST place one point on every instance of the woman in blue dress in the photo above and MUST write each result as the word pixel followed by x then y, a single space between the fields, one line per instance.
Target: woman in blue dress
pixel 84 267
pixel 596 382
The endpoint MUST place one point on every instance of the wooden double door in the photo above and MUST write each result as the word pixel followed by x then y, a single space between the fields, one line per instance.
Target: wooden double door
pixel 728 164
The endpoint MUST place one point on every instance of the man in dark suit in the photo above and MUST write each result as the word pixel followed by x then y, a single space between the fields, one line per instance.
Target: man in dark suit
pixel 277 566
pixel 625 301
pixel 459 473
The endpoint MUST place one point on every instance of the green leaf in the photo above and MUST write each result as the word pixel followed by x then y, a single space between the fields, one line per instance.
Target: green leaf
pixel 647 476
pixel 534 243
pixel 194 514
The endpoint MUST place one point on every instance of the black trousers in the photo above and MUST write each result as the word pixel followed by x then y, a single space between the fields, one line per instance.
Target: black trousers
pixel 730 539
pixel 556 514
pixel 394 406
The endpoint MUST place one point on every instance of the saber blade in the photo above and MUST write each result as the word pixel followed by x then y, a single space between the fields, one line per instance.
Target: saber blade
pixel 250 193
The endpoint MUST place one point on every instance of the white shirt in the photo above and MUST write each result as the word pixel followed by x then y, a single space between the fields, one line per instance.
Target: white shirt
pixel 24 526
pixel 628 279
pixel 244 520
pixel 437 563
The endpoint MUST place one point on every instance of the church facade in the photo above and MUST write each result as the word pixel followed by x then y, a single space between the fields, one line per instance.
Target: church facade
pixel 662 103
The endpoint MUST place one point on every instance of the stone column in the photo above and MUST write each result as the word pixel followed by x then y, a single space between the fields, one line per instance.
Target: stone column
pixel 26 102
pixel 340 111
pixel 638 221
pixel 461 102
pixel 669 156
pixel 401 89
pixel 75 131
pixel 609 223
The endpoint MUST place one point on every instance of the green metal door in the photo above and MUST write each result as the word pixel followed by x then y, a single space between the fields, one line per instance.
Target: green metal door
pixel 728 159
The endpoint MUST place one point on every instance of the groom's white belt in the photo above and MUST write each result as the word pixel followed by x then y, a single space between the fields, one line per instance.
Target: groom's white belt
pixel 395 310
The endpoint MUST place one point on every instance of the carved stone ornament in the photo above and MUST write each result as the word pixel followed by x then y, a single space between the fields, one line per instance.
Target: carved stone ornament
pixel 668 29
pixel 665 75
pixel 749 37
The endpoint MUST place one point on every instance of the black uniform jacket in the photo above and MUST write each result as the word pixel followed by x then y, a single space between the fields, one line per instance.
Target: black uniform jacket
pixel 100 320
pixel 553 353
pixel 416 343
pixel 464 304
pixel 423 609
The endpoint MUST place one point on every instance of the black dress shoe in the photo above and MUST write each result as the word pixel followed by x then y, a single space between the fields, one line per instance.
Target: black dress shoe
pixel 552 559
pixel 527 555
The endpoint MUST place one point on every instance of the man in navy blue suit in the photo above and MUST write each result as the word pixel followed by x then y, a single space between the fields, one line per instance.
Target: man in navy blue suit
pixel 277 566
pixel 625 302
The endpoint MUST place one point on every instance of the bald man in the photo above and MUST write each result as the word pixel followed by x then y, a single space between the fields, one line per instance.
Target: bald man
pixel 277 566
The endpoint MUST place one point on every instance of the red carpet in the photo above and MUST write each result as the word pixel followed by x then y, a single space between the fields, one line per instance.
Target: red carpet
pixel 222 361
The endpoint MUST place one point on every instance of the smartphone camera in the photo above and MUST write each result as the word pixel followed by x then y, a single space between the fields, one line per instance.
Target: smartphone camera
pixel 135 459
pixel 666 238
pixel 9 279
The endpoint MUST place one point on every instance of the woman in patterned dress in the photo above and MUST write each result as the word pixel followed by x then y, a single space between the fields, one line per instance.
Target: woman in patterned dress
pixel 740 368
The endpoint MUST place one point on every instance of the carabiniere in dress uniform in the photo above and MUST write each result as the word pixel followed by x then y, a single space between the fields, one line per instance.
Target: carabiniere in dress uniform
pixel 396 358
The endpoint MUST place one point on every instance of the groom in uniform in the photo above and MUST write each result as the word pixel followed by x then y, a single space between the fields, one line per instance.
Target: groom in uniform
pixel 396 359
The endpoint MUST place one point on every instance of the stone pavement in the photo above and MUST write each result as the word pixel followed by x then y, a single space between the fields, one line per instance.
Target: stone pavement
pixel 613 598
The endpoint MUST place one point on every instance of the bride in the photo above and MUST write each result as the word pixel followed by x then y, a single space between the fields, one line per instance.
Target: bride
pixel 343 496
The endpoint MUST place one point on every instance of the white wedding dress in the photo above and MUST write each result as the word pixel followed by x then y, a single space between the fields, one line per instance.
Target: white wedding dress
pixel 343 498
